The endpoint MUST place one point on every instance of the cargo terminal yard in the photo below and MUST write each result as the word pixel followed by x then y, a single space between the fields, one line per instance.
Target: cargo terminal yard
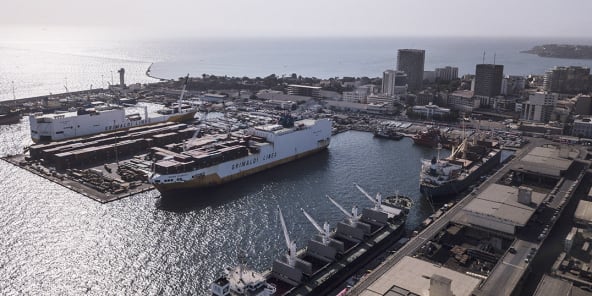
pixel 112 165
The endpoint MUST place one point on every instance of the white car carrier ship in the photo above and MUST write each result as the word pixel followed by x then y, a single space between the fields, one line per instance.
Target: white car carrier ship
pixel 214 160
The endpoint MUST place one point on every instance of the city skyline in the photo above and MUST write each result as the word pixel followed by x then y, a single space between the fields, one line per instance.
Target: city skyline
pixel 257 18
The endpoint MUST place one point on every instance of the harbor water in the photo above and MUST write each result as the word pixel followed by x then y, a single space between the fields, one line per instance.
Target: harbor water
pixel 58 242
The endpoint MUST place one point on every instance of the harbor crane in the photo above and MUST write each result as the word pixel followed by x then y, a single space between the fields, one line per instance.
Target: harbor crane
pixel 291 255
pixel 325 231
pixel 354 217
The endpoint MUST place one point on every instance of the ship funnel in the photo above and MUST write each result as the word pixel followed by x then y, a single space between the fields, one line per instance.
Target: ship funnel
pixel 291 255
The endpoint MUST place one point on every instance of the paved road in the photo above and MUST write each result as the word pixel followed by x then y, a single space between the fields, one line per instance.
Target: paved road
pixel 415 243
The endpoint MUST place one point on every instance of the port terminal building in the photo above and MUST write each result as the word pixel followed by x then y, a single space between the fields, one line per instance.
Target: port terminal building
pixel 412 276
pixel 501 208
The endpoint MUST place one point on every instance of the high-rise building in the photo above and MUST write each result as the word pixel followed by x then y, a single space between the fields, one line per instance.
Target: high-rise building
pixel 394 82
pixel 571 79
pixel 447 73
pixel 411 61
pixel 539 107
pixel 388 82
pixel 488 80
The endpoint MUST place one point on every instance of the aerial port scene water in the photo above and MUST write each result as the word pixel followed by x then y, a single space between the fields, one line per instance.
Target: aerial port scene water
pixel 320 156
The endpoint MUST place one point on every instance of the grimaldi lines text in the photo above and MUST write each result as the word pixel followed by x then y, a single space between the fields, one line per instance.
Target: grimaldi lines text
pixel 214 160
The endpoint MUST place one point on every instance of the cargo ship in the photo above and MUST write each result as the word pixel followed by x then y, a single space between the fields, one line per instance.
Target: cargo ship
pixel 213 160
pixel 442 179
pixel 330 258
pixel 102 118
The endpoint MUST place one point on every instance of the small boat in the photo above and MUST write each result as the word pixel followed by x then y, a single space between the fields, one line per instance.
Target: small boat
pixel 10 117
pixel 388 134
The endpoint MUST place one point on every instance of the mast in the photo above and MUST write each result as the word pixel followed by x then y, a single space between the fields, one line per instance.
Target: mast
pixel 13 95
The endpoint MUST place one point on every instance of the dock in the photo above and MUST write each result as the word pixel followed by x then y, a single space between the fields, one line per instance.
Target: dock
pixel 84 187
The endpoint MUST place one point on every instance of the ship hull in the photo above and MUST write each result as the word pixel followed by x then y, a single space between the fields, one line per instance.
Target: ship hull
pixel 448 190
pixel 214 180
pixel 59 129
pixel 279 147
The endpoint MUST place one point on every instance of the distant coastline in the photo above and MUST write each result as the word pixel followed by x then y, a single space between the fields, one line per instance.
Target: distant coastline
pixel 562 51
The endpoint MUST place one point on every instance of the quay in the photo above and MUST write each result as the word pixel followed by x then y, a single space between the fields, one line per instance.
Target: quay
pixel 512 266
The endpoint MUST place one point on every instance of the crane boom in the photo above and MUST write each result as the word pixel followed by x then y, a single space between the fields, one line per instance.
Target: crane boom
pixel 365 193
pixel 316 225
pixel 182 93
pixel 340 207
pixel 376 201
pixel 284 228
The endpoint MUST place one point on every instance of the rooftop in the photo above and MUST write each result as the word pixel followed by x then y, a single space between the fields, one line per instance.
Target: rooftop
pixel 584 211
pixel 550 160
pixel 554 286
pixel 414 275
pixel 501 202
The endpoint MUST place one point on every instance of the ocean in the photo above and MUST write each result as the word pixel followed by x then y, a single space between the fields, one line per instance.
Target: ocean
pixel 44 67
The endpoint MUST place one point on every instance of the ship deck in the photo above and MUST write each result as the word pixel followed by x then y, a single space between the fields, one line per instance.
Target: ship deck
pixel 323 282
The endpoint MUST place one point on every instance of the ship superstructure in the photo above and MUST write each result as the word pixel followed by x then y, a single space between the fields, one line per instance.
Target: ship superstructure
pixel 213 160
pixel 444 178
pixel 100 119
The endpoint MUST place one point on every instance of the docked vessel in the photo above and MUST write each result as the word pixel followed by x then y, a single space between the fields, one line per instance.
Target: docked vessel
pixel 214 160
pixel 388 134
pixel 429 137
pixel 10 117
pixel 102 118
pixel 331 257
pixel 441 179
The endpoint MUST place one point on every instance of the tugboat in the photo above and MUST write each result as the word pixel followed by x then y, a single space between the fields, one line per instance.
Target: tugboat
pixel 388 134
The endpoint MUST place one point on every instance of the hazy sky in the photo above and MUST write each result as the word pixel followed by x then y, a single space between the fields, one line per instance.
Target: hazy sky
pixel 537 18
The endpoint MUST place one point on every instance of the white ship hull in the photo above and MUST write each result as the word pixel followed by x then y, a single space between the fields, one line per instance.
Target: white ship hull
pixel 281 147
pixel 59 127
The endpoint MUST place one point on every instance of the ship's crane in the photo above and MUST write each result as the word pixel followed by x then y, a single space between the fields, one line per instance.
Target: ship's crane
pixel 182 93
pixel 377 201
pixel 325 231
pixel 291 255
pixel 354 217
pixel 196 133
